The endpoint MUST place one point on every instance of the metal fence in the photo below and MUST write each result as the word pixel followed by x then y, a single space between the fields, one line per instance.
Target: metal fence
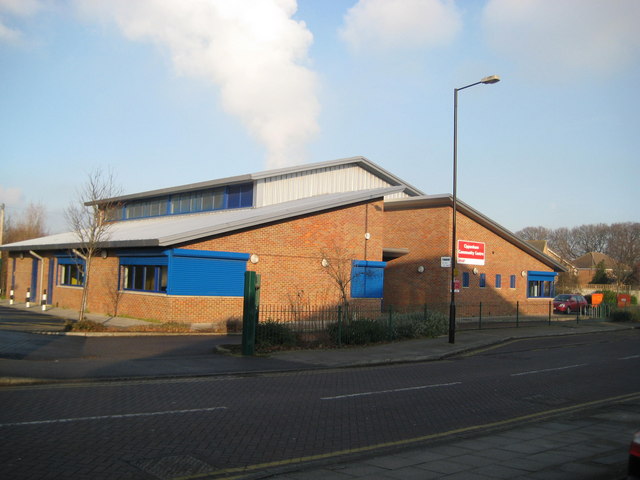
pixel 288 326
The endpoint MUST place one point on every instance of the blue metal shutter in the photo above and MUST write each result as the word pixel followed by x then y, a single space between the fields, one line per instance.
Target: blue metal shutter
pixel 142 260
pixel 367 279
pixel 205 273
pixel 533 275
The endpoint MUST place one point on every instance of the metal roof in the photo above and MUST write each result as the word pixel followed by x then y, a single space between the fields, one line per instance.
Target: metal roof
pixel 175 229
pixel 363 162
pixel 442 200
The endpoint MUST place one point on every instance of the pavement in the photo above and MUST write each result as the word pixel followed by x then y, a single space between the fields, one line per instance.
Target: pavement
pixel 591 443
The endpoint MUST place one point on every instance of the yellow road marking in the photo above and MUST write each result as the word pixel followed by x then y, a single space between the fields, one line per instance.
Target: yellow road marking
pixel 370 448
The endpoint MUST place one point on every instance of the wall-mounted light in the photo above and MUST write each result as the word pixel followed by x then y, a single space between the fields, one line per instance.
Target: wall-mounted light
pixel 21 255
pixel 421 269
pixel 254 258
pixel 103 254
pixel 367 236
pixel 325 262
pixel 475 271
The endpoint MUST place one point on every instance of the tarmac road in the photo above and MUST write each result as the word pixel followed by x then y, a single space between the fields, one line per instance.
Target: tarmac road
pixel 195 414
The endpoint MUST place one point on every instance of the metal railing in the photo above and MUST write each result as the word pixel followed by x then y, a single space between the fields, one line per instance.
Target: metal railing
pixel 328 326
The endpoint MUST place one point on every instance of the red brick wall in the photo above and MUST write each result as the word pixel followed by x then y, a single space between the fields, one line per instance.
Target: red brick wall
pixel 426 232
pixel 290 264
pixel 290 253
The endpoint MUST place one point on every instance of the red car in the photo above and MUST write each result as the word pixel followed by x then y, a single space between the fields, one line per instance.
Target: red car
pixel 568 303
pixel 634 458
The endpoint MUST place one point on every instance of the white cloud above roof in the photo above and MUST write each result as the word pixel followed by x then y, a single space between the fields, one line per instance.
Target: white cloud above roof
pixel 565 39
pixel 379 25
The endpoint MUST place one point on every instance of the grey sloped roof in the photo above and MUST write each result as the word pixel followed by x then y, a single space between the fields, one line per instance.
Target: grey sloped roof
pixel 174 229
pixel 363 162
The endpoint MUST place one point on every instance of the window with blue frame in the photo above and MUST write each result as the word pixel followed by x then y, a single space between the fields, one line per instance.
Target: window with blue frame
pixel 498 280
pixel 512 281
pixel 71 271
pixel 221 198
pixel 541 284
pixel 483 280
pixel 183 272
pixel 145 278
pixel 465 279
pixel 367 279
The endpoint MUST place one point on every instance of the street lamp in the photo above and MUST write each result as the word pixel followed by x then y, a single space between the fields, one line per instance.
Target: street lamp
pixel 452 307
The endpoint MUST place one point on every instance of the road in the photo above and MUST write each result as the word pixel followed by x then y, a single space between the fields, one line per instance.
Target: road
pixel 211 427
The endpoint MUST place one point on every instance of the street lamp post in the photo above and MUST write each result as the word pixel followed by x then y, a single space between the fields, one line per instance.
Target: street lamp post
pixel 452 306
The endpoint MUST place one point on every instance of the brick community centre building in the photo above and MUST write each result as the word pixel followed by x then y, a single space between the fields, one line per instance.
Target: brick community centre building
pixel 179 254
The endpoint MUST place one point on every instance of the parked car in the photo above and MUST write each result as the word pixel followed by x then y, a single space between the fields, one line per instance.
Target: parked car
pixel 567 303
pixel 634 458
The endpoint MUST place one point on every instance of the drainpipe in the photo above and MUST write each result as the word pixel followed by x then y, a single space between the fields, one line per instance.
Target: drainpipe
pixel 34 254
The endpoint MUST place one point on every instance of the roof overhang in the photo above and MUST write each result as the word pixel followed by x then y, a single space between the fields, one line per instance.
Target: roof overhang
pixel 360 161
pixel 446 200
pixel 176 229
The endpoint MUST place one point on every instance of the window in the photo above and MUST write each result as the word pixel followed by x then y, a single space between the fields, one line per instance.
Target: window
pixel 498 280
pixel 239 196
pixel 483 280
pixel 541 284
pixel 146 278
pixel 367 279
pixel 183 272
pixel 71 271
pixel 232 196
pixel 465 279
pixel 512 281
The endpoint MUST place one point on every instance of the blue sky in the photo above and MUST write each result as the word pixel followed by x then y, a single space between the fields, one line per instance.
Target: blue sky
pixel 173 92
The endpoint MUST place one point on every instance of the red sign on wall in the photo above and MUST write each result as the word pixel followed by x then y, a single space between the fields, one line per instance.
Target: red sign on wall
pixel 471 253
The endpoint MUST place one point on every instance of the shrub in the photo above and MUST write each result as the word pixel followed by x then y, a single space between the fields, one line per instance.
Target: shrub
pixel 271 334
pixel 626 315
pixel 428 324
pixel 358 332
pixel 621 316
pixel 609 297
pixel 86 326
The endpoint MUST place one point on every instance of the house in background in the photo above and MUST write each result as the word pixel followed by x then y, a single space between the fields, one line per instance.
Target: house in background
pixel 588 264
pixel 179 254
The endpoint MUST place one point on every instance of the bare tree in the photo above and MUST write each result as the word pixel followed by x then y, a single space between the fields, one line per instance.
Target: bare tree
pixel 87 219
pixel 337 263
pixel 534 233
pixel 624 248
pixel 591 238
pixel 621 241
pixel 30 225
pixel 563 242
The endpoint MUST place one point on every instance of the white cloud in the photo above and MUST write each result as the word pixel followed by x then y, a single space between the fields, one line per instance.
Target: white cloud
pixel 379 25
pixel 565 38
pixel 252 50
pixel 16 8
pixel 11 195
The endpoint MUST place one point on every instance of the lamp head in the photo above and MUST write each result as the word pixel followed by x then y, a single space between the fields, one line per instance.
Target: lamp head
pixel 490 80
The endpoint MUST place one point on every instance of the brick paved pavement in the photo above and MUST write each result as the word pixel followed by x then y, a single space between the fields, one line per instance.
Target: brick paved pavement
pixel 590 444
pixel 576 445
